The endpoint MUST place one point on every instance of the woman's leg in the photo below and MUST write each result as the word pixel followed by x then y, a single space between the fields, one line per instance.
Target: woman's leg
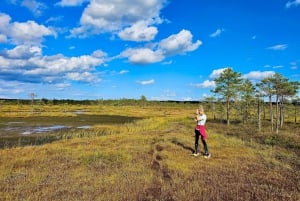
pixel 205 146
pixel 197 134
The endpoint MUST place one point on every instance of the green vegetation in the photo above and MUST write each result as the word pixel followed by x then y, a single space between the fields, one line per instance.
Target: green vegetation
pixel 150 158
pixel 232 88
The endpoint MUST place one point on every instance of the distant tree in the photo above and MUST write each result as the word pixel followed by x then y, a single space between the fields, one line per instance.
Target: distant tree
pixel 277 85
pixel 212 103
pixel 247 91
pixel 143 100
pixel 45 101
pixel 283 88
pixel 228 86
pixel 286 89
pixel 260 102
pixel 265 87
pixel 295 102
pixel 32 96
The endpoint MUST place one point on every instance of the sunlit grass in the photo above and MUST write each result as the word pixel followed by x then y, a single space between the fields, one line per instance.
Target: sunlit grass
pixel 150 159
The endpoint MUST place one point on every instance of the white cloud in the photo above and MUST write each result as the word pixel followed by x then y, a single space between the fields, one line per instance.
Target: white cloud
pixel 35 7
pixel 179 43
pixel 146 82
pixel 3 38
pixel 29 32
pixel 61 64
pixel 216 73
pixel 83 76
pixel 122 72
pixel 4 21
pixel 205 84
pixel 62 86
pixel 27 64
pixel 258 75
pixel 23 32
pixel 140 31
pixel 218 32
pixel 175 44
pixel 113 15
pixel 278 47
pixel 66 3
pixel 290 4
pixel 23 52
pixel 142 55
pixel 54 19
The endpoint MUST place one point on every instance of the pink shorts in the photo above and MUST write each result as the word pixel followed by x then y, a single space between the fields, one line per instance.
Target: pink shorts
pixel 202 131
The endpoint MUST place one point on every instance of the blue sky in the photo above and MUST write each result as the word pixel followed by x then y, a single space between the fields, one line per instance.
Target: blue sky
pixel 162 49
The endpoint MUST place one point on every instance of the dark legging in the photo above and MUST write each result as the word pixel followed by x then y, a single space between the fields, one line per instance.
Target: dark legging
pixel 197 134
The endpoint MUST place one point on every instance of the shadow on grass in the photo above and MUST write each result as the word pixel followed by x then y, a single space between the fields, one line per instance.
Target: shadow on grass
pixel 21 141
pixel 176 142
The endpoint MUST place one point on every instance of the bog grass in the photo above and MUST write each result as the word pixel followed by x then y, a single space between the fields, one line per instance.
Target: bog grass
pixel 150 159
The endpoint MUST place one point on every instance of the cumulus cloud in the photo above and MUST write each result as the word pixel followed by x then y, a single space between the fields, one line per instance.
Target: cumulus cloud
pixel 218 32
pixel 83 77
pixel 146 82
pixel 22 52
pixel 139 31
pixel 258 75
pixel 27 64
pixel 278 47
pixel 175 44
pixel 4 21
pixel 205 84
pixel 290 4
pixel 23 32
pixel 179 43
pixel 112 15
pixel 216 73
pixel 142 55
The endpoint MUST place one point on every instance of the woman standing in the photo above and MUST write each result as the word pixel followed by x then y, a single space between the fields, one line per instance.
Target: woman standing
pixel 200 131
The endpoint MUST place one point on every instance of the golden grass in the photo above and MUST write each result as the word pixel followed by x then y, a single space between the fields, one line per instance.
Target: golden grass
pixel 149 159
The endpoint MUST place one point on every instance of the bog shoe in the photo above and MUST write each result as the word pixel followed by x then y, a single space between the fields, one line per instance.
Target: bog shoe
pixel 207 156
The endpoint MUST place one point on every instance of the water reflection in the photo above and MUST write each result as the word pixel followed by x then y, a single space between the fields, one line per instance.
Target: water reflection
pixel 43 129
pixel 12 126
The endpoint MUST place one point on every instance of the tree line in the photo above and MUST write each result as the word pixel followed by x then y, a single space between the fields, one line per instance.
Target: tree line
pixel 231 88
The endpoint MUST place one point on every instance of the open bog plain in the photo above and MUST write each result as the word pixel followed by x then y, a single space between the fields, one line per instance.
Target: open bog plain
pixel 143 151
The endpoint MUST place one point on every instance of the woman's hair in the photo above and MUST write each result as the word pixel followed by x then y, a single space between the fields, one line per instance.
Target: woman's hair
pixel 201 108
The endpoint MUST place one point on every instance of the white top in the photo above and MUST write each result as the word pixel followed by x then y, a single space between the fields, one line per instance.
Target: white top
pixel 201 119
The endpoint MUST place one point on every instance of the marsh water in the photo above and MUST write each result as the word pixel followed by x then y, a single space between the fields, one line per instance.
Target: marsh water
pixel 29 129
